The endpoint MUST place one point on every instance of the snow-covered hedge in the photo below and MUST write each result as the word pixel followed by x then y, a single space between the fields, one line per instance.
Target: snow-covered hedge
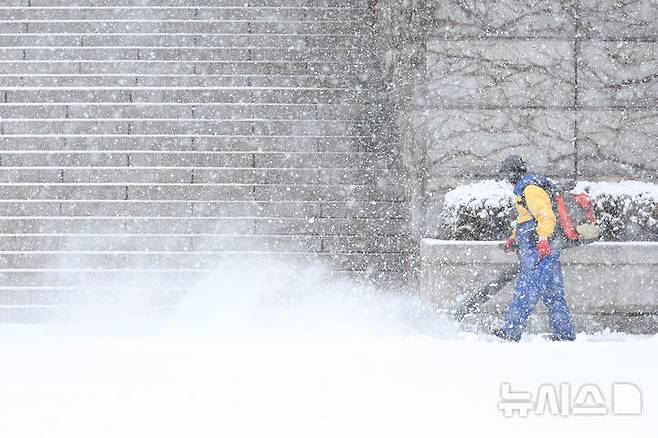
pixel 479 211
pixel 626 210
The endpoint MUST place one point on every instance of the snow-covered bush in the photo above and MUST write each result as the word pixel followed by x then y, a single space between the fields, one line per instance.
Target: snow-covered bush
pixel 479 211
pixel 626 210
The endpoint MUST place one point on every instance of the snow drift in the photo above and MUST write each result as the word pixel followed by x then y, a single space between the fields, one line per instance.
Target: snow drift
pixel 280 351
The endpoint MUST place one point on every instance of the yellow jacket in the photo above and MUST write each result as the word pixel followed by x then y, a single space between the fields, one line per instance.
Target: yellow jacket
pixel 539 208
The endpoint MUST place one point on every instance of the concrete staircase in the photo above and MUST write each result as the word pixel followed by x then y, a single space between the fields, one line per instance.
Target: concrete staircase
pixel 143 142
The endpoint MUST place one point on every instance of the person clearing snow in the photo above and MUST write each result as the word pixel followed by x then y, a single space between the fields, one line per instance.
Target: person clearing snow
pixel 540 275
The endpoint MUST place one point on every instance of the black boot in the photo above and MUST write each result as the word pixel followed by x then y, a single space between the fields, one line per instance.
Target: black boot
pixel 557 338
pixel 503 335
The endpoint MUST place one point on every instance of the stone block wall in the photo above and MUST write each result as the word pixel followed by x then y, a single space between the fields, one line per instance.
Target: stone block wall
pixel 452 270
pixel 570 85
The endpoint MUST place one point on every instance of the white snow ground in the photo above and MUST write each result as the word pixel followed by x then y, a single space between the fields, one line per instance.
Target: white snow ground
pixel 276 354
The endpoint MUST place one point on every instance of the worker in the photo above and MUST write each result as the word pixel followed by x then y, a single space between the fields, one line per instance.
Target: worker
pixel 540 275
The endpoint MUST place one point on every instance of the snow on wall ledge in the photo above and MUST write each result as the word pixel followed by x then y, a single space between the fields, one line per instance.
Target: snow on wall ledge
pixel 607 284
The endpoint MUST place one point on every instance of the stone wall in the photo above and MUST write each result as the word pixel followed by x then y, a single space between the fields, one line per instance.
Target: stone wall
pixel 627 300
pixel 570 85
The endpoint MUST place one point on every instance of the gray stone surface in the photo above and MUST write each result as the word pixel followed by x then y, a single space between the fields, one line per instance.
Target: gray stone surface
pixel 374 209
pixel 63 192
pixel 17 95
pixel 618 20
pixel 25 67
pixel 196 159
pixel 600 279
pixel 9 175
pixel 502 18
pixel 620 74
pixel 200 3
pixel 499 73
pixel 16 158
pixel 469 144
pixel 618 144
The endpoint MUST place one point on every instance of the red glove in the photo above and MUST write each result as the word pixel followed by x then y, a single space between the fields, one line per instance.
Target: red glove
pixel 510 244
pixel 543 248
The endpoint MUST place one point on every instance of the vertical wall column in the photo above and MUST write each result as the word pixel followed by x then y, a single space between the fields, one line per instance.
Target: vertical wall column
pixel 400 31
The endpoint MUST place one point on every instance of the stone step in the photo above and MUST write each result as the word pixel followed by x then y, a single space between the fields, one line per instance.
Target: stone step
pixel 42 303
pixel 174 208
pixel 400 243
pixel 188 26
pixel 265 112
pixel 314 54
pixel 186 260
pixel 65 292
pixel 159 242
pixel 183 127
pixel 206 225
pixel 31 67
pixel 163 279
pixel 47 303
pixel 200 192
pixel 173 143
pixel 215 243
pixel 69 291
pixel 320 160
pixel 192 95
pixel 186 3
pixel 146 67
pixel 182 208
pixel 287 81
pixel 183 54
pixel 176 175
pixel 192 14
pixel 349 41
pixel 151 175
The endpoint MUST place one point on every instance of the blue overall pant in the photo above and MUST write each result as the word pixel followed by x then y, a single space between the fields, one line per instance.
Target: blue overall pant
pixel 538 279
